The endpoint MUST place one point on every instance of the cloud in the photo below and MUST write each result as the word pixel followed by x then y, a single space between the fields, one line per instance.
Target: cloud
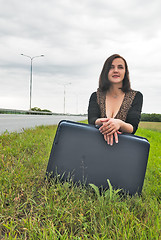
pixel 76 37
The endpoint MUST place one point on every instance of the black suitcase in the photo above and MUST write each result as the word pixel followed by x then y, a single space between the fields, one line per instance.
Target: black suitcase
pixel 80 152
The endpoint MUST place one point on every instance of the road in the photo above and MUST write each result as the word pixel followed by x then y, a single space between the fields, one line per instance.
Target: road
pixel 18 122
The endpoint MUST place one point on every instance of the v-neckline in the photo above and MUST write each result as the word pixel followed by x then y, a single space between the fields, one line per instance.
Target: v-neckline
pixel 119 107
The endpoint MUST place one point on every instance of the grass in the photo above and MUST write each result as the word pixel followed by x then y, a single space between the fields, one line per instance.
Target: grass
pixel 156 126
pixel 30 209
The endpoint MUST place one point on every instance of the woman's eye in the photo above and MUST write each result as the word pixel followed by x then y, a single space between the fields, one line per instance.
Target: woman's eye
pixel 120 67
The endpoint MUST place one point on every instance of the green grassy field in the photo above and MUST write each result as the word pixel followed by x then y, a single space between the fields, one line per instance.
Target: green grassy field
pixel 151 125
pixel 30 209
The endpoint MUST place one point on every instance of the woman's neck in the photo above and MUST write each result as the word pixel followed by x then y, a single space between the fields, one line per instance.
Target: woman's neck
pixel 115 92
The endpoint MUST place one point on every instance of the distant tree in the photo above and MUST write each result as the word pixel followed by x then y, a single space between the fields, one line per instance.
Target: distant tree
pixel 36 109
pixel 40 110
pixel 46 110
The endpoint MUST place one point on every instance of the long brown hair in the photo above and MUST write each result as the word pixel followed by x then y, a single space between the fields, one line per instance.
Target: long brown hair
pixel 104 83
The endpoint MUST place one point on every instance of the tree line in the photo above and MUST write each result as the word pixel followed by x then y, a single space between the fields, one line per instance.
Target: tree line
pixel 151 117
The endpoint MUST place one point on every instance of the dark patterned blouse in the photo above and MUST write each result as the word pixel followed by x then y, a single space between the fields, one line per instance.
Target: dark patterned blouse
pixel 129 112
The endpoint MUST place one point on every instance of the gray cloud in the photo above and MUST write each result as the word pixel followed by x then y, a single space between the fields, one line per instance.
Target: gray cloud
pixel 76 37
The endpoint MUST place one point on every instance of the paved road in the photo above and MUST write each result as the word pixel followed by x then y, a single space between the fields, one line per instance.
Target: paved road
pixel 18 122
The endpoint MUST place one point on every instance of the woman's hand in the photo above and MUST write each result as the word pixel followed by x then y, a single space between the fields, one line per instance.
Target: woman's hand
pixel 110 129
pixel 110 126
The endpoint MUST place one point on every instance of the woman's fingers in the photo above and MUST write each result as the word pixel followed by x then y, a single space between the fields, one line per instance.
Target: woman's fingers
pixel 116 137
pixel 105 120
pixel 110 126
pixel 106 128
pixel 119 132
pixel 105 137
pixel 110 138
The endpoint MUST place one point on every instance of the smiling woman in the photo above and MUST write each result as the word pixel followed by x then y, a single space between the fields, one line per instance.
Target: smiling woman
pixel 115 107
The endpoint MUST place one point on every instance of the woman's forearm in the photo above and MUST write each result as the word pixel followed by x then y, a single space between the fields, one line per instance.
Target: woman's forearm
pixel 125 127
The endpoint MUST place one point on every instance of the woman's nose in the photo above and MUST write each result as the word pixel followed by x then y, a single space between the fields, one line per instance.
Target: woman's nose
pixel 115 69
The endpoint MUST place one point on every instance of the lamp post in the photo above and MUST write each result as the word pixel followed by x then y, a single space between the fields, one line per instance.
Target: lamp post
pixel 31 58
pixel 65 93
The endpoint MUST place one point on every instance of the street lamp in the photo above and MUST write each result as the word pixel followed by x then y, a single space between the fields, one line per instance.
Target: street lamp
pixel 65 84
pixel 31 58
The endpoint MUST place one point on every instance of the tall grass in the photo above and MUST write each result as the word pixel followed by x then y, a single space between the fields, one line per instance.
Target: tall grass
pixel 31 209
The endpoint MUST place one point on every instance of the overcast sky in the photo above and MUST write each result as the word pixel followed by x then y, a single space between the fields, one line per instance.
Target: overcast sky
pixel 76 37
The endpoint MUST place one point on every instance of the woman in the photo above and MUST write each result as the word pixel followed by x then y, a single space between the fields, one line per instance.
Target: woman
pixel 115 107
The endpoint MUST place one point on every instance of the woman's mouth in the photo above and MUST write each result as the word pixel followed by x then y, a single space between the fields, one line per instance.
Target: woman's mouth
pixel 115 76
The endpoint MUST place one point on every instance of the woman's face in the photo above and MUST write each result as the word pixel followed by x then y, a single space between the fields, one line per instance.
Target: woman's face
pixel 117 71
